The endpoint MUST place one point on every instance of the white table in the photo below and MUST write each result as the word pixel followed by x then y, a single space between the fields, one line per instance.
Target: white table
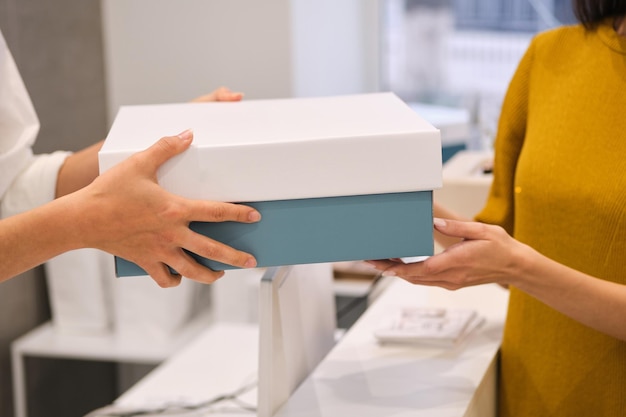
pixel 220 361
pixel 45 342
pixel 359 376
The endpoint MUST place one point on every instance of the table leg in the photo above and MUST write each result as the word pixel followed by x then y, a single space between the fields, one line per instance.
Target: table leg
pixel 19 382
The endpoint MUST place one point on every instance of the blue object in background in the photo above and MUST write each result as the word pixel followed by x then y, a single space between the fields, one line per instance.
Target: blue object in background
pixel 448 152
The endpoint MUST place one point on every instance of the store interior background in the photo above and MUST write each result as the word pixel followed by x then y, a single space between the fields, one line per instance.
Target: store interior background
pixel 81 60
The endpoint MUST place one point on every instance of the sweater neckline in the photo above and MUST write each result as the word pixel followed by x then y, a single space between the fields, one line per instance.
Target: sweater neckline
pixel 610 38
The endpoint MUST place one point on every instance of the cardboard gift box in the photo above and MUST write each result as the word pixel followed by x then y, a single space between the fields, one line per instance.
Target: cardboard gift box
pixel 335 178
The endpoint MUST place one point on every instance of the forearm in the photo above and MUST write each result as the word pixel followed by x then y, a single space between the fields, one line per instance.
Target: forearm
pixel 78 170
pixel 31 238
pixel 597 303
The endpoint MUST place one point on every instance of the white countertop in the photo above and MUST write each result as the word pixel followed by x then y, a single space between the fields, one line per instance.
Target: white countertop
pixel 361 377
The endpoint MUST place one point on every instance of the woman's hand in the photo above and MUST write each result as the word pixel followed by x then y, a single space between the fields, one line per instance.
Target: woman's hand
pixel 126 213
pixel 486 254
pixel 220 94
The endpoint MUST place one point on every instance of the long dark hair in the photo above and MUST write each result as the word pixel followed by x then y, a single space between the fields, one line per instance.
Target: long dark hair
pixel 592 12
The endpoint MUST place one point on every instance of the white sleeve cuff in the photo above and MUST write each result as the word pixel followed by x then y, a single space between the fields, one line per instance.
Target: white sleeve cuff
pixel 35 186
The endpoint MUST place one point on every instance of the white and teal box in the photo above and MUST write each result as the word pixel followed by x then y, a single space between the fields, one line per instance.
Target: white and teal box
pixel 338 178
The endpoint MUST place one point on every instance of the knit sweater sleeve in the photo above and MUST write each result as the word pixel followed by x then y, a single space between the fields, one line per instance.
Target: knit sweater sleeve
pixel 499 208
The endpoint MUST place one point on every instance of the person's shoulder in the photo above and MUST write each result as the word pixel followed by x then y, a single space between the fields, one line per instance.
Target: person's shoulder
pixel 559 37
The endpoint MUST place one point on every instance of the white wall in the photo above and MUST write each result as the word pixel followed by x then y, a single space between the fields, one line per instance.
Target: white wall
pixel 173 50
pixel 334 46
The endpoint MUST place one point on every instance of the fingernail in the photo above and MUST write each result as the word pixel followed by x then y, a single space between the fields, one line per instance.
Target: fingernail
pixel 254 216
pixel 186 135
pixel 439 222
pixel 250 263
pixel 389 273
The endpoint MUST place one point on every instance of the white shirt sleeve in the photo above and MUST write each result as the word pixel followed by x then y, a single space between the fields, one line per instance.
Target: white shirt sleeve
pixel 26 180
pixel 34 186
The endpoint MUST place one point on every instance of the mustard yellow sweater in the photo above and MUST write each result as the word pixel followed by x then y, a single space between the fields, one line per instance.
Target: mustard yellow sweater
pixel 560 186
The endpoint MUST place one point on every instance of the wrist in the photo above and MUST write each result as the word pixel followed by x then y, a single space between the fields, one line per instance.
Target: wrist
pixel 78 170
pixel 524 266
pixel 76 231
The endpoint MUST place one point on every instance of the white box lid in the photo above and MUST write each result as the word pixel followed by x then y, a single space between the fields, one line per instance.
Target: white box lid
pixel 259 150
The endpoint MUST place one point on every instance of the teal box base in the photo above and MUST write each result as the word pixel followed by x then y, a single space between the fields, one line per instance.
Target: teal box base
pixel 448 152
pixel 331 229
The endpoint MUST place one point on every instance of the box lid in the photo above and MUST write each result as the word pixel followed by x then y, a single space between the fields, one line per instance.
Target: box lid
pixel 277 149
